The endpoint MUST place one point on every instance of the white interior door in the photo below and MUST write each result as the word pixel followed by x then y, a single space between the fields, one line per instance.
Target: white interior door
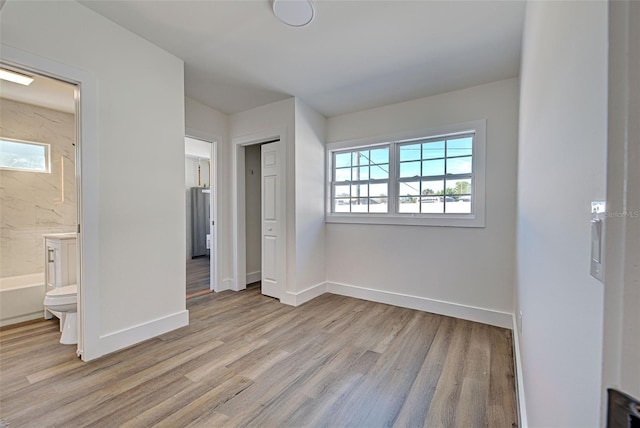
pixel 273 249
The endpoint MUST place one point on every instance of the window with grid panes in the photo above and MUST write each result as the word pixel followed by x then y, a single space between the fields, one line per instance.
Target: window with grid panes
pixel 360 182
pixel 434 179
pixel 435 176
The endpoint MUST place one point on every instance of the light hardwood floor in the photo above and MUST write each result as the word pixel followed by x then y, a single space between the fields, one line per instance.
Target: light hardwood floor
pixel 198 276
pixel 247 360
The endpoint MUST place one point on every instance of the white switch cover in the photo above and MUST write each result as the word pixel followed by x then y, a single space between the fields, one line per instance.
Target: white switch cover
pixel 598 216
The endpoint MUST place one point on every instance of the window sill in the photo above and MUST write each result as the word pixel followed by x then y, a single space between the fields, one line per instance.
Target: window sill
pixel 451 220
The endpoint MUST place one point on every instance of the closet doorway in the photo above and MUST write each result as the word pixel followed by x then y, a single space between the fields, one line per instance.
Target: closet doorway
pixel 200 231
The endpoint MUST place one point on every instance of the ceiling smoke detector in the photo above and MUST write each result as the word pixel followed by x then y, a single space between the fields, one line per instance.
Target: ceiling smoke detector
pixel 296 13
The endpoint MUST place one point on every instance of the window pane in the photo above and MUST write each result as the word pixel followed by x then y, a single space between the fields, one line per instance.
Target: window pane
pixel 460 200
pixel 341 192
pixel 432 204
pixel 459 147
pixel 341 206
pixel 359 190
pixel 459 165
pixel 409 204
pixel 361 173
pixel 459 187
pixel 21 155
pixel 379 172
pixel 359 205
pixel 363 157
pixel 343 159
pixel 460 206
pixel 433 167
pixel 409 169
pixel 343 174
pixel 432 187
pixel 380 155
pixel 378 190
pixel 410 152
pixel 378 205
pixel 410 188
pixel 433 150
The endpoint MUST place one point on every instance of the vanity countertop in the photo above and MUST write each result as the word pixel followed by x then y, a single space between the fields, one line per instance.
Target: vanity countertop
pixel 70 235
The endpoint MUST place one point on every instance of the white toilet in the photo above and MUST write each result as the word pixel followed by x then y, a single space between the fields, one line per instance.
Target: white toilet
pixel 63 302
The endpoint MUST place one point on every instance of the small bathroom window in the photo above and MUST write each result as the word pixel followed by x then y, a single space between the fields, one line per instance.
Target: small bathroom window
pixel 19 155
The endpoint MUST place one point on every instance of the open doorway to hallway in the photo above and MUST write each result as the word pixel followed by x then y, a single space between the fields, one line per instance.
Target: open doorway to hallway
pixel 200 225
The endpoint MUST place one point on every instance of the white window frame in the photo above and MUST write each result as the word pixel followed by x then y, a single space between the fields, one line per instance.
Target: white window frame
pixel 369 181
pixel 474 219
pixel 47 156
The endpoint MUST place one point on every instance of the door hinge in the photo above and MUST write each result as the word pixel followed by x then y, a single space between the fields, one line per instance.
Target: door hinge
pixel 213 223
pixel 78 228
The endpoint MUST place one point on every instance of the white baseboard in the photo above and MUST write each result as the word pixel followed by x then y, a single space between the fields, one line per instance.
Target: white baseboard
pixel 300 297
pixel 117 340
pixel 21 318
pixel 225 284
pixel 457 310
pixel 254 277
pixel 522 408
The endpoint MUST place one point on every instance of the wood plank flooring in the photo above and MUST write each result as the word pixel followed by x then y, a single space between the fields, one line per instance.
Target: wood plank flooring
pixel 198 276
pixel 246 360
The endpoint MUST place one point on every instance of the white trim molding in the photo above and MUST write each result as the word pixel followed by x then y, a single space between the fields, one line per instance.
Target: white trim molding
pixel 517 361
pixel 456 310
pixel 300 297
pixel 118 340
pixel 254 277
pixel 226 284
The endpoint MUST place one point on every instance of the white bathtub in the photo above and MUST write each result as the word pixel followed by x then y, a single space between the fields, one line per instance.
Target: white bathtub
pixel 21 298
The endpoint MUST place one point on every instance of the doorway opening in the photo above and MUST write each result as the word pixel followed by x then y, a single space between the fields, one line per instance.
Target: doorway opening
pixel 40 200
pixel 259 217
pixel 200 219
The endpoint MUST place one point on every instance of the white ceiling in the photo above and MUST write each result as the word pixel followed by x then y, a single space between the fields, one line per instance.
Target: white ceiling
pixel 43 91
pixel 354 55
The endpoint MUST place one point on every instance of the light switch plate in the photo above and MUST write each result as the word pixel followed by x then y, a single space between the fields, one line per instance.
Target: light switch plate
pixel 598 209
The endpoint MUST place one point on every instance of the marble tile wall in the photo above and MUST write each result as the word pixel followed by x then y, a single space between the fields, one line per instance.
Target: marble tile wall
pixel 31 203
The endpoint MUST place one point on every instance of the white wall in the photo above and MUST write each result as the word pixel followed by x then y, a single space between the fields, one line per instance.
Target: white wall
pixel 253 198
pixel 208 124
pixel 621 357
pixel 561 168
pixel 310 188
pixel 463 266
pixel 140 114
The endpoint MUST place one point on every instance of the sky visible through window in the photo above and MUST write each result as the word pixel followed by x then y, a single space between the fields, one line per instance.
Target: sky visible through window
pixel 21 155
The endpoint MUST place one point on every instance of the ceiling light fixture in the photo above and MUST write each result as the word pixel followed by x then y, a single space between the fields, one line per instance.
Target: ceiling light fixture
pixel 296 13
pixel 12 76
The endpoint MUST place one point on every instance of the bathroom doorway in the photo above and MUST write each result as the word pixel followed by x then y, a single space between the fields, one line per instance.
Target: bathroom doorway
pixel 39 198
pixel 200 197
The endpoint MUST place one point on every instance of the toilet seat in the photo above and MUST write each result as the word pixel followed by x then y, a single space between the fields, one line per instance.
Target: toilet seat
pixel 63 303
pixel 62 295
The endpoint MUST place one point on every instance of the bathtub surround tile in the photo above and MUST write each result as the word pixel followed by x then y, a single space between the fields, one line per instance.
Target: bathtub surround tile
pixel 33 204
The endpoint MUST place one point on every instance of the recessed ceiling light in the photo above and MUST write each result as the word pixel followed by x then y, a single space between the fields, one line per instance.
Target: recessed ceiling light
pixel 12 76
pixel 296 13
